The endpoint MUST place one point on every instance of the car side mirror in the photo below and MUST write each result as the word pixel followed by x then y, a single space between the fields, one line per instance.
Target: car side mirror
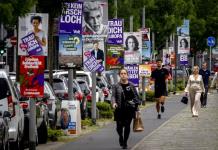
pixel 7 114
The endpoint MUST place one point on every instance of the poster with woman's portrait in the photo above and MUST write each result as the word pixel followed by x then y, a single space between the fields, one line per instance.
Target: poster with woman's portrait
pixel 133 47
pixel 183 45
pixel 33 34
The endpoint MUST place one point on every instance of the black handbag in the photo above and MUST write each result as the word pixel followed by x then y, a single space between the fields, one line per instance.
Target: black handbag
pixel 184 100
pixel 130 104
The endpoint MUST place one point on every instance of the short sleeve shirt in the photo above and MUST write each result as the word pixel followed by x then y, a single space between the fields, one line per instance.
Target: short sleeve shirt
pixel 205 75
pixel 159 75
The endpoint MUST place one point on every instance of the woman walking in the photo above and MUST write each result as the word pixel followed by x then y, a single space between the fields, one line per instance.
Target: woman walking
pixel 195 87
pixel 125 101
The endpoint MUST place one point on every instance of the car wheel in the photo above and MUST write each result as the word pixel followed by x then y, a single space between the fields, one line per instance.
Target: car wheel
pixel 42 133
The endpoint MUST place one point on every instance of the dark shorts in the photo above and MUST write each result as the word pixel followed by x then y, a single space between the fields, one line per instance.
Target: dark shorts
pixel 161 91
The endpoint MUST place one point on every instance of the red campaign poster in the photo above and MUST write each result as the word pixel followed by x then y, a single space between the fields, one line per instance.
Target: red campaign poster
pixel 32 76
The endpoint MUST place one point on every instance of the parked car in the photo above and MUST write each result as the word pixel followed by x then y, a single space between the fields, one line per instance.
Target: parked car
pixel 53 103
pixel 9 102
pixel 104 86
pixel 41 131
pixel 4 130
pixel 59 86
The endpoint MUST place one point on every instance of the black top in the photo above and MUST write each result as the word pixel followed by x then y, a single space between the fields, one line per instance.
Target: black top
pixel 160 76
pixel 128 92
pixel 205 75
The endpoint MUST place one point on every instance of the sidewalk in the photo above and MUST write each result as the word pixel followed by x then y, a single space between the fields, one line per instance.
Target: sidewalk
pixel 183 132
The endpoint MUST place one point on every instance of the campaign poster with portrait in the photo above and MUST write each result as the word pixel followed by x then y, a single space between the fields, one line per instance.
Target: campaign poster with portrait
pixel 95 17
pixel 146 44
pixel 133 73
pixel 71 19
pixel 183 45
pixel 166 57
pixel 115 31
pixel 114 57
pixel 70 49
pixel 133 48
pixel 93 45
pixel 32 76
pixel 33 35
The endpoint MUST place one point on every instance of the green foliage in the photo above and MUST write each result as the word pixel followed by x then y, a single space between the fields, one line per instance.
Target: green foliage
pixel 86 122
pixel 10 10
pixel 105 110
pixel 54 134
pixel 150 96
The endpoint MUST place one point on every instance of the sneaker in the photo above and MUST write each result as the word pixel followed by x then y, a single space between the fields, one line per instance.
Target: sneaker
pixel 162 108
pixel 159 116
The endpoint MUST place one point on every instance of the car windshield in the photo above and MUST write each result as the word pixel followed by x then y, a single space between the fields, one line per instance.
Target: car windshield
pixel 4 88
pixel 83 86
pixel 58 84
pixel 83 77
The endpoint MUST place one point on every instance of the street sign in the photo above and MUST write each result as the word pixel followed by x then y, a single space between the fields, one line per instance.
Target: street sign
pixel 211 41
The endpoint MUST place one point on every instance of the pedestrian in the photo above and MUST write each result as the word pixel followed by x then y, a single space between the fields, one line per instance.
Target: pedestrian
pixel 195 87
pixel 205 73
pixel 123 93
pixel 160 76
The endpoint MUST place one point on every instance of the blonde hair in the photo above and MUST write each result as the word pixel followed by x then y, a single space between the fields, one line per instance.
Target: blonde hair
pixel 195 68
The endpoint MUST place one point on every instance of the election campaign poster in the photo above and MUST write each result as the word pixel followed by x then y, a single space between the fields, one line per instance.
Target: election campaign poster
pixel 95 17
pixel 32 76
pixel 133 47
pixel 33 34
pixel 69 118
pixel 114 57
pixel 146 44
pixel 133 73
pixel 71 19
pixel 184 29
pixel 70 49
pixel 93 45
pixel 115 32
pixel 166 57
pixel 145 70
pixel 183 45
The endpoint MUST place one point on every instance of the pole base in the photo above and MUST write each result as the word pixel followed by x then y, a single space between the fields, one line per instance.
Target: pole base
pixel 32 145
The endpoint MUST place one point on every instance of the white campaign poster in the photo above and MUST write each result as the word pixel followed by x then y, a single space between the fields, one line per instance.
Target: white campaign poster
pixel 183 45
pixel 70 117
pixel 133 47
pixel 33 34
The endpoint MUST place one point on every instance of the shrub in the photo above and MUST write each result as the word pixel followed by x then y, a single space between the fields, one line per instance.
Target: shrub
pixel 150 96
pixel 105 110
pixel 54 134
pixel 86 122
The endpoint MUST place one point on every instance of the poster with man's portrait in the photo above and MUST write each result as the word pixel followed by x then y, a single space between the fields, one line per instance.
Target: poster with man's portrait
pixel 183 45
pixel 33 34
pixel 95 17
pixel 93 45
pixel 133 47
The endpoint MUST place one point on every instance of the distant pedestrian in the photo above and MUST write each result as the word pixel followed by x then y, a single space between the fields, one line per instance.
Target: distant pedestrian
pixel 205 73
pixel 123 93
pixel 195 87
pixel 160 76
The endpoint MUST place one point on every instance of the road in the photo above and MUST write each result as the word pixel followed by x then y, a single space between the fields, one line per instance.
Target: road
pixel 107 138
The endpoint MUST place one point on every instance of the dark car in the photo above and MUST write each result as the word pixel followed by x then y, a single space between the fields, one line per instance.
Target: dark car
pixel 4 127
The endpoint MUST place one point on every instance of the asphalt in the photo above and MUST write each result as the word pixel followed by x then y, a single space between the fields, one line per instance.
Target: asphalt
pixel 107 139
pixel 183 132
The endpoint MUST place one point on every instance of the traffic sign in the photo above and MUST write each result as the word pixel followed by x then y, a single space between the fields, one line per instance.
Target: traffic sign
pixel 211 41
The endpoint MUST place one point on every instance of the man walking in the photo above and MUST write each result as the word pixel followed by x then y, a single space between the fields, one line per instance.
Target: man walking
pixel 159 76
pixel 205 73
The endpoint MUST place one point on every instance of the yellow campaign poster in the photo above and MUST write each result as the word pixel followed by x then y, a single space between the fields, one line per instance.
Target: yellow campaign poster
pixel 145 70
